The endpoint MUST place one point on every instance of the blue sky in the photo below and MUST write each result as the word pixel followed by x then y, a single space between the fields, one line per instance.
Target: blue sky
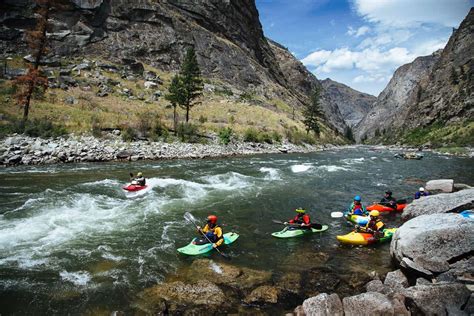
pixel 360 42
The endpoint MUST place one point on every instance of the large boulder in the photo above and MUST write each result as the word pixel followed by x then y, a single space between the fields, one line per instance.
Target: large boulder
pixel 440 203
pixel 445 185
pixel 264 294
pixel 370 303
pixel 323 305
pixel 431 242
pixel 437 299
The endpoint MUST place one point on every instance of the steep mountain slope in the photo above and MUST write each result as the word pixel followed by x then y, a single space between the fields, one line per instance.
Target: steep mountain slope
pixel 429 100
pixel 227 36
pixel 394 100
pixel 352 104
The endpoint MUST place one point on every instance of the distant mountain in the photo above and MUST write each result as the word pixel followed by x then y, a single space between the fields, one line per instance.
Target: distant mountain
pixel 429 100
pixel 352 104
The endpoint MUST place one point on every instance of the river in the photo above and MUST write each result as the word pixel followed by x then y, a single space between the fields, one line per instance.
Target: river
pixel 71 240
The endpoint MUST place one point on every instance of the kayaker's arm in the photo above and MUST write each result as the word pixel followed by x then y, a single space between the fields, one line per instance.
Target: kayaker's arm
pixel 218 232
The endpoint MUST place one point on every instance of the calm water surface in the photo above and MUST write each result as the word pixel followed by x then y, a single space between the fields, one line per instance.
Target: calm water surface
pixel 72 241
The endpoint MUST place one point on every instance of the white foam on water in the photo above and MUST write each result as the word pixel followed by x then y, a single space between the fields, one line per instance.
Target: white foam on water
pixel 151 183
pixel 228 181
pixel 105 182
pixel 332 168
pixel 353 161
pixel 79 278
pixel 300 168
pixel 215 267
pixel 271 173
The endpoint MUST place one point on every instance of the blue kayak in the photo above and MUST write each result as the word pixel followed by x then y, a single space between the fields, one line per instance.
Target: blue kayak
pixel 467 214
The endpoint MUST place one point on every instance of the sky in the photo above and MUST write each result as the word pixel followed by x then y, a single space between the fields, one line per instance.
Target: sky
pixel 360 42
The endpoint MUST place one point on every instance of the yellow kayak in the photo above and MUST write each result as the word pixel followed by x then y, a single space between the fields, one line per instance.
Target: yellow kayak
pixel 354 238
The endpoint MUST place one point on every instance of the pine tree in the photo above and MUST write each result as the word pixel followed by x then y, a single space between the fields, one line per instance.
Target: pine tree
pixel 176 96
pixel 349 135
pixel 312 112
pixel 191 80
pixel 37 41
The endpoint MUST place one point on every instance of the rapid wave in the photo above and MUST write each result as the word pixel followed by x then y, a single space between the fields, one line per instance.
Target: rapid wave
pixel 332 168
pixel 271 173
pixel 300 168
pixel 79 278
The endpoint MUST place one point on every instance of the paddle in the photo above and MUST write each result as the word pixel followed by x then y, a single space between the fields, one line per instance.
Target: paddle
pixel 313 225
pixel 190 218
pixel 337 214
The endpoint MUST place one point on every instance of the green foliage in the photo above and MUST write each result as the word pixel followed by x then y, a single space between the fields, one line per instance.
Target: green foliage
pixel 312 112
pixel 159 130
pixel 298 138
pixel 251 135
pixel 276 136
pixel 377 132
pixel 96 129
pixel 176 93
pixel 128 134
pixel 349 135
pixel 225 135
pixel 190 77
pixel 256 136
pixel 247 96
pixel 188 133
pixel 202 119
pixel 34 128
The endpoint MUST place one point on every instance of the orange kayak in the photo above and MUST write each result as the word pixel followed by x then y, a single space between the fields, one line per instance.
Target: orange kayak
pixel 383 208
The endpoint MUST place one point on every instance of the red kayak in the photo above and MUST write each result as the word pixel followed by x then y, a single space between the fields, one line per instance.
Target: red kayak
pixel 383 208
pixel 134 187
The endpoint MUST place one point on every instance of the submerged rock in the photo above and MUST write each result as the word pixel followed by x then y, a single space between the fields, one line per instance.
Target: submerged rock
pixel 264 294
pixel 440 203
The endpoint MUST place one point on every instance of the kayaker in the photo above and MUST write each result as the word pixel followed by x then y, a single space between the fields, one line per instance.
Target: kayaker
pixel 374 226
pixel 212 231
pixel 421 192
pixel 389 200
pixel 356 208
pixel 140 179
pixel 301 219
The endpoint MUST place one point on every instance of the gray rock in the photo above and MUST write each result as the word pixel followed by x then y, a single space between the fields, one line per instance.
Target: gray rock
pixel 440 203
pixel 370 303
pixel 323 305
pixel 437 299
pixel 376 286
pixel 88 4
pixel 396 280
pixel 124 154
pixel 444 185
pixel 264 294
pixel 14 159
pixel 71 100
pixel 428 242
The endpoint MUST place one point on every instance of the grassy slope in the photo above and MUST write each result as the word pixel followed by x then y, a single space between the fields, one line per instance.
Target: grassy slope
pixel 215 111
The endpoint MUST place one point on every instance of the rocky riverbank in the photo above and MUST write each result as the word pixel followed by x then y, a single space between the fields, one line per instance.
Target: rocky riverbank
pixel 434 251
pixel 24 150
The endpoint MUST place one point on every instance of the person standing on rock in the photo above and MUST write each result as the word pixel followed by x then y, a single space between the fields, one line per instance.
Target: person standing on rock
pixel 421 192
pixel 212 231
pixel 389 200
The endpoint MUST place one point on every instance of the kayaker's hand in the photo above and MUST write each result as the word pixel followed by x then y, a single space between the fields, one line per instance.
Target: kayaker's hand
pixel 302 224
pixel 285 223
pixel 214 245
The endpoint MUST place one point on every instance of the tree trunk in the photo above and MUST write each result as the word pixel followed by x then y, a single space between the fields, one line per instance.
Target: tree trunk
pixel 175 122
pixel 187 114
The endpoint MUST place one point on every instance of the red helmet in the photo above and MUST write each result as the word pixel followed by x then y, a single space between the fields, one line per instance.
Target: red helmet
pixel 212 219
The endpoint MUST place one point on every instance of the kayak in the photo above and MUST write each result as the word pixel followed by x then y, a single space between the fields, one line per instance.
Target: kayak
pixel 134 187
pixel 468 214
pixel 358 219
pixel 289 233
pixel 354 238
pixel 383 208
pixel 193 249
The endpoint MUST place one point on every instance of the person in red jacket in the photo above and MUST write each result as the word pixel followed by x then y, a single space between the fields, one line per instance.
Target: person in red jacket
pixel 301 219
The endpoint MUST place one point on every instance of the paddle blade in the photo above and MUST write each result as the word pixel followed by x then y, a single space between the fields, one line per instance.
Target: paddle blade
pixel 337 214
pixel 189 217
pixel 277 221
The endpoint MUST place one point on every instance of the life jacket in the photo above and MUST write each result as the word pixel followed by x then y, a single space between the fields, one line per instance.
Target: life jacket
pixel 301 219
pixel 357 209
pixel 216 231
pixel 376 225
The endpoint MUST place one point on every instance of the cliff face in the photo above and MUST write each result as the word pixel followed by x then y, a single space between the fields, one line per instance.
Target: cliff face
pixel 432 93
pixel 352 104
pixel 227 36
pixel 388 109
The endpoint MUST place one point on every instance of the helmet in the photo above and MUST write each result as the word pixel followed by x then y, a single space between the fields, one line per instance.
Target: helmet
pixel 212 219
pixel 139 174
pixel 357 198
pixel 300 210
pixel 422 189
pixel 374 213
pixel 388 192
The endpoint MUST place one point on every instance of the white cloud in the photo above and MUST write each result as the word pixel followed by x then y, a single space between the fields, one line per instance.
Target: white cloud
pixel 429 47
pixel 359 32
pixel 410 13
pixel 373 61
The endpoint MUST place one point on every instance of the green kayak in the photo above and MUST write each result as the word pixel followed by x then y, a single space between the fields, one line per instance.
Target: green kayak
pixel 289 233
pixel 192 249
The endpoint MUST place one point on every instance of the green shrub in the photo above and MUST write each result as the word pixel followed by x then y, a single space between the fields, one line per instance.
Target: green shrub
pixel 188 133
pixel 202 119
pixel 276 136
pixel 298 137
pixel 251 135
pixel 225 135
pixel 128 134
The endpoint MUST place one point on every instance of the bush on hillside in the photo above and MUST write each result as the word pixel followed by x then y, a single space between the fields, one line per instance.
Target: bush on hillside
pixel 225 135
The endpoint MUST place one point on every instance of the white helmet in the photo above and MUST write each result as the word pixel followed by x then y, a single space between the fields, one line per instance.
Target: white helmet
pixel 421 189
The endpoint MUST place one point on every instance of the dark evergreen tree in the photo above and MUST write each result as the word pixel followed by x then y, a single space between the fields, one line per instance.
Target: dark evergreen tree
pixel 312 112
pixel 176 96
pixel 349 135
pixel 191 81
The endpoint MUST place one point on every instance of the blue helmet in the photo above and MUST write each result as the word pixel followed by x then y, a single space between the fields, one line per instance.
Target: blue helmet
pixel 357 198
